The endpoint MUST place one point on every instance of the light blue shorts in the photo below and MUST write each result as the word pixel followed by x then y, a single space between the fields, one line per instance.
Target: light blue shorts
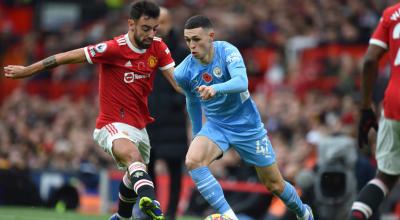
pixel 254 149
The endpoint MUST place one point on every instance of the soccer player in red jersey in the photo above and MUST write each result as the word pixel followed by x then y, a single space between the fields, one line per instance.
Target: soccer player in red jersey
pixel 385 38
pixel 127 67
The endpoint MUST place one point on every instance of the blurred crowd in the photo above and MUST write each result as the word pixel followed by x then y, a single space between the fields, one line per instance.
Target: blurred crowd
pixel 37 132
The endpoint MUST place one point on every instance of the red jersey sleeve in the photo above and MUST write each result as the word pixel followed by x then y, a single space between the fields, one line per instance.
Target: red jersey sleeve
pixel 164 55
pixel 381 36
pixel 104 52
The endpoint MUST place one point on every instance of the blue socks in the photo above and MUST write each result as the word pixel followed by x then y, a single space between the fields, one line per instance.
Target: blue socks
pixel 209 188
pixel 211 191
pixel 292 200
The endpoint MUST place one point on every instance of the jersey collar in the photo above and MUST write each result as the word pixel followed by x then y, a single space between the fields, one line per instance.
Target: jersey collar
pixel 130 45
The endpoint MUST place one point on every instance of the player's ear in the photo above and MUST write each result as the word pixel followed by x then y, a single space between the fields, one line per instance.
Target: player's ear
pixel 211 35
pixel 131 24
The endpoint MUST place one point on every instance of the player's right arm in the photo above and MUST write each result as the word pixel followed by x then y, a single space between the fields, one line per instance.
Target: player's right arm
pixel 378 45
pixel 193 108
pixel 193 105
pixel 72 56
pixel 369 73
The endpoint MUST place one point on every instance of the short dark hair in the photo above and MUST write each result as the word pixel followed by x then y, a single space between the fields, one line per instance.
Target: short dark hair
pixel 143 7
pixel 198 21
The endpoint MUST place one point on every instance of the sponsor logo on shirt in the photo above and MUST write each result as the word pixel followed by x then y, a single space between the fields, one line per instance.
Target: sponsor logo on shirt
pixel 130 77
pixel 206 77
pixel 217 72
pixel 152 61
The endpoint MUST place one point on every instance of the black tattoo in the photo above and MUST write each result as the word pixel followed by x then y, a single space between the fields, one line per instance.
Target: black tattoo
pixel 50 62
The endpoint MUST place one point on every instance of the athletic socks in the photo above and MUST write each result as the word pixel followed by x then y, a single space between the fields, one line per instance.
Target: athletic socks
pixel 211 190
pixel 127 198
pixel 231 214
pixel 141 181
pixel 368 200
pixel 292 200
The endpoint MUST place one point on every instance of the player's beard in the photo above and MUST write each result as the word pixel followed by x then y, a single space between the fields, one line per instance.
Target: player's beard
pixel 140 43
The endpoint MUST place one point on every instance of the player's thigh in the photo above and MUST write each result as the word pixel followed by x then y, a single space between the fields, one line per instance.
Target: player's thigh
pixel 144 145
pixel 128 137
pixel 388 146
pixel 202 151
pixel 208 145
pixel 126 152
pixel 258 152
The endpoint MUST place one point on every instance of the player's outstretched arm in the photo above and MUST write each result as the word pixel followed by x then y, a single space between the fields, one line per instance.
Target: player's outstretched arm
pixel 72 56
pixel 169 75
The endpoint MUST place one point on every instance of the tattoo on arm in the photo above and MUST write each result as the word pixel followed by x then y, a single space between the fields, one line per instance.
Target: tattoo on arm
pixel 50 62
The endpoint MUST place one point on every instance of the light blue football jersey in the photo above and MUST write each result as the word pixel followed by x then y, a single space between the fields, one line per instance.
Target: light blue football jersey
pixel 231 110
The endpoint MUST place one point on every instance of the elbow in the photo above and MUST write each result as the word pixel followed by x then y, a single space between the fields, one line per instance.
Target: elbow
pixel 179 90
pixel 369 64
pixel 370 60
pixel 243 89
pixel 245 84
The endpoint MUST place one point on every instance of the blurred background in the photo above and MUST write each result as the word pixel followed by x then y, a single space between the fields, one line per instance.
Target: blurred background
pixel 303 61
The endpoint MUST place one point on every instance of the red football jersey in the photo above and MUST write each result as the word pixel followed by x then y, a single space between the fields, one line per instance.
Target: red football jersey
pixel 126 78
pixel 387 35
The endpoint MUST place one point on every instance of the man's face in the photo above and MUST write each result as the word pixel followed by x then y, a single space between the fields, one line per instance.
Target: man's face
pixel 199 41
pixel 165 23
pixel 143 30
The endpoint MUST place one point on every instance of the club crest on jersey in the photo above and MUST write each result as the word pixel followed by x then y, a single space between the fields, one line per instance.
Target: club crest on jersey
pixel 100 48
pixel 217 72
pixel 206 77
pixel 152 61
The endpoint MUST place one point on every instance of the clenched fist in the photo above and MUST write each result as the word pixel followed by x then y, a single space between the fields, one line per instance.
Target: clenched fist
pixel 367 121
pixel 206 92
pixel 16 72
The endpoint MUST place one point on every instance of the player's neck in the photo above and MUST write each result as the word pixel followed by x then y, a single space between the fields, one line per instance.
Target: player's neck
pixel 208 58
pixel 132 40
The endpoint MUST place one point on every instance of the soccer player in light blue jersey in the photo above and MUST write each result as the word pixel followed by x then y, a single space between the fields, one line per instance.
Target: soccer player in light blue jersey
pixel 214 81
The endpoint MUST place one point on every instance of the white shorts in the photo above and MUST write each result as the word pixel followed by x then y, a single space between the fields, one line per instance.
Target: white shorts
pixel 105 136
pixel 388 146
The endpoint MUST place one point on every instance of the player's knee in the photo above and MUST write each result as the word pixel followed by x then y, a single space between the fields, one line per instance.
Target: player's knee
pixel 127 154
pixel 388 180
pixel 192 163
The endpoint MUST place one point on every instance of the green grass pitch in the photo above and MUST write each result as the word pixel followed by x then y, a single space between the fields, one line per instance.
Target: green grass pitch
pixel 25 213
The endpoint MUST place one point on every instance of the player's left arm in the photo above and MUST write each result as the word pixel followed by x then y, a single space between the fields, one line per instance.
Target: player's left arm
pixel 169 75
pixel 238 82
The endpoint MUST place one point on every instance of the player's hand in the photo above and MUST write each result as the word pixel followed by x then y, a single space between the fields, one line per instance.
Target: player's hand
pixel 206 92
pixel 367 121
pixel 16 72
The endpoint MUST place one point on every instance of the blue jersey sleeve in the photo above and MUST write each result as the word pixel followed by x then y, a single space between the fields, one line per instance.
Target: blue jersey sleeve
pixel 237 70
pixel 193 105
